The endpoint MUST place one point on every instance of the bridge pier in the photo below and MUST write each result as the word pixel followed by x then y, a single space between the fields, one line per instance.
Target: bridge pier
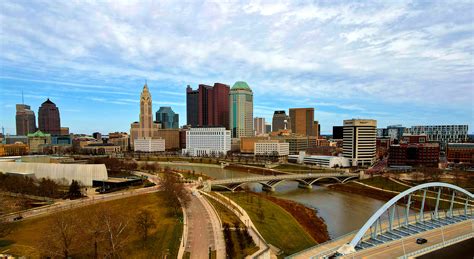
pixel 305 186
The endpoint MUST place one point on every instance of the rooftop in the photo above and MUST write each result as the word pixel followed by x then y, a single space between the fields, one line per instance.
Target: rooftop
pixel 241 85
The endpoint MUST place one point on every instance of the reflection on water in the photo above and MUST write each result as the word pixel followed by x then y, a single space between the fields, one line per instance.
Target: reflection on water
pixel 343 212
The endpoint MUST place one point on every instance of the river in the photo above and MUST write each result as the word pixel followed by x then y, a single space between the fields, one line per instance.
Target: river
pixel 343 212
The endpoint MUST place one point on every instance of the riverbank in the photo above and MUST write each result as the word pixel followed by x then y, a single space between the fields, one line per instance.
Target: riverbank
pixel 306 217
pixel 277 226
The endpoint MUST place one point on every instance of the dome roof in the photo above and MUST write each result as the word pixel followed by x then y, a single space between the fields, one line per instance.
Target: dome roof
pixel 241 85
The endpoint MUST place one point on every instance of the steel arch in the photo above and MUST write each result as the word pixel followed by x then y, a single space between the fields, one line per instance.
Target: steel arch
pixel 357 238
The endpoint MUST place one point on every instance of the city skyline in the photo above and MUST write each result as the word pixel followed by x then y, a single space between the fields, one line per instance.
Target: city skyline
pixel 398 63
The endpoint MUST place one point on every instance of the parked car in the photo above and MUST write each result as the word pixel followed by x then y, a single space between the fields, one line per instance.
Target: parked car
pixel 421 241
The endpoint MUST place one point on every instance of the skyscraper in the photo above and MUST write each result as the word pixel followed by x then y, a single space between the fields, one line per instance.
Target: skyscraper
pixel 259 126
pixel 145 127
pixel 192 106
pixel 359 141
pixel 25 120
pixel 167 117
pixel 208 105
pixel 48 118
pixel 241 110
pixel 280 121
pixel 302 121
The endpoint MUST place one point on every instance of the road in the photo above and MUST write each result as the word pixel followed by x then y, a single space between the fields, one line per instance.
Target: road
pixel 204 229
pixel 407 245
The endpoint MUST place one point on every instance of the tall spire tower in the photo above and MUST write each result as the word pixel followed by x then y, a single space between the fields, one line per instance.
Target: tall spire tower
pixel 146 114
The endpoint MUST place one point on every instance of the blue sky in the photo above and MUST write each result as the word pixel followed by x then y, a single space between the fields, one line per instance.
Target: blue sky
pixel 400 62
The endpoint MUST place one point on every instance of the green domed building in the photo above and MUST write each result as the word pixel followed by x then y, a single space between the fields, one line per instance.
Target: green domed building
pixel 241 110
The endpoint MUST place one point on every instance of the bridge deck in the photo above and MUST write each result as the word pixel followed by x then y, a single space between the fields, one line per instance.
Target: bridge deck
pixel 280 177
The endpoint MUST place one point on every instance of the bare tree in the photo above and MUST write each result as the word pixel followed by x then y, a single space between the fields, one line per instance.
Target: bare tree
pixel 144 222
pixel 173 189
pixel 94 230
pixel 63 236
pixel 116 231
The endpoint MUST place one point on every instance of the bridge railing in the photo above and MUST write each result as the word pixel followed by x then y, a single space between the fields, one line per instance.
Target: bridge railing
pixel 438 246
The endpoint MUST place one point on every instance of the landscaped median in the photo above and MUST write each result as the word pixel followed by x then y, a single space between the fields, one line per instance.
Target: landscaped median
pixel 277 226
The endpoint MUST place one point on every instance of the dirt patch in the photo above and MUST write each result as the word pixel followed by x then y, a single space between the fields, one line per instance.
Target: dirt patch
pixel 306 217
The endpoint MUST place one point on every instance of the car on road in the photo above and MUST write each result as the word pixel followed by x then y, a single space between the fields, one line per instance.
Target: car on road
pixel 17 218
pixel 421 241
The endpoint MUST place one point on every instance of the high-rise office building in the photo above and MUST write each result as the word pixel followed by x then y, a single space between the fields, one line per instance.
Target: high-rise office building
pixel 145 127
pixel 167 118
pixel 337 132
pixel 259 126
pixel 280 121
pixel 268 128
pixel 192 106
pixel 208 105
pixel 241 110
pixel 302 121
pixel 25 120
pixel 359 141
pixel 48 118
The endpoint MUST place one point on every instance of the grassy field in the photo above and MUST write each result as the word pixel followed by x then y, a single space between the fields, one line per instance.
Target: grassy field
pixel 276 225
pixel 26 236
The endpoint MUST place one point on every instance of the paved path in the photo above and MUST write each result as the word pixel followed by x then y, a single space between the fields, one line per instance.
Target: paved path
pixel 203 229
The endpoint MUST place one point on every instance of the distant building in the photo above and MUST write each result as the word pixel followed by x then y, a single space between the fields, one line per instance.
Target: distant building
pixel 394 132
pixel 207 142
pixel 241 110
pixel 441 133
pixel 414 151
pixel 323 161
pixel 101 149
pixel 208 106
pixel 48 118
pixel 167 117
pixel 382 146
pixel 25 120
pixel 337 132
pixel 171 137
pixel 145 127
pixel 460 153
pixel 316 129
pixel 259 126
pixel 36 140
pixel 271 148
pixel 64 131
pixel 12 139
pixel 247 144
pixel 280 121
pixel 302 121
pixel 97 136
pixel 18 149
pixel 268 128
pixel 120 139
pixel 359 141
pixel 149 145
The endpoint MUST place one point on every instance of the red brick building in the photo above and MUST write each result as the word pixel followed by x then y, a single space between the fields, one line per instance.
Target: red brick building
pixel 213 105
pixel 414 151
pixel 382 146
pixel 460 153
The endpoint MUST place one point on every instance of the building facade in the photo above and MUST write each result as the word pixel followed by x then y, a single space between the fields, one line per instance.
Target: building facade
pixel 302 121
pixel 414 154
pixel 207 141
pixel 208 106
pixel 171 137
pixel 145 127
pixel 460 153
pixel 337 132
pixel 271 148
pixel 241 110
pixel 18 149
pixel 441 133
pixel 280 121
pixel 359 141
pixel 48 118
pixel 120 139
pixel 259 126
pixel 37 140
pixel 192 107
pixel 25 120
pixel 167 118
pixel 149 145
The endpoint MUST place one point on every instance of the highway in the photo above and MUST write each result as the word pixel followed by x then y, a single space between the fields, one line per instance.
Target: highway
pixel 407 245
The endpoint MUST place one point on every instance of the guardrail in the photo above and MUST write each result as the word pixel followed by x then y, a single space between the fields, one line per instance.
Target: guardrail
pixel 438 246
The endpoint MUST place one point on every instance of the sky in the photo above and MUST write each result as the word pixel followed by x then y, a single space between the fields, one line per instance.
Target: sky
pixel 399 62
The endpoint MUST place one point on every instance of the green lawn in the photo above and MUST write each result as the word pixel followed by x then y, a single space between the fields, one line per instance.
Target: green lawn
pixel 276 225
pixel 164 238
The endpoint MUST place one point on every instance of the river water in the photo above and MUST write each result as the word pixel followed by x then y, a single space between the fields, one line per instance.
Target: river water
pixel 343 212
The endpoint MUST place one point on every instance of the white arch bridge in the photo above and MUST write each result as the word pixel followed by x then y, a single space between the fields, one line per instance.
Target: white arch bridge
pixel 269 182
pixel 451 207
